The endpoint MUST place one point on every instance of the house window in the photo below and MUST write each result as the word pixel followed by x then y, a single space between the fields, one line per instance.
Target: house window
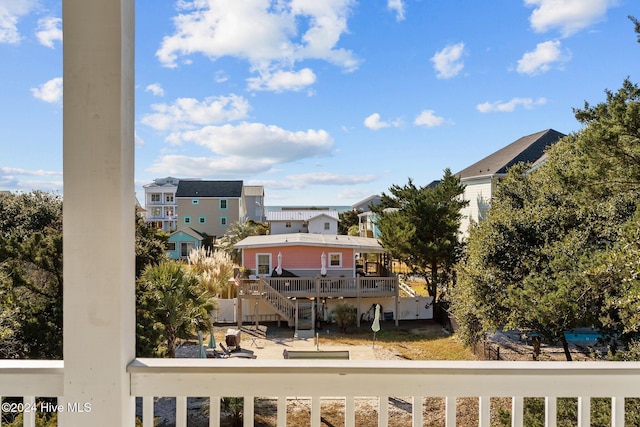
pixel 155 197
pixel 327 226
pixel 185 248
pixel 287 224
pixel 171 246
pixel 335 259
pixel 263 263
pixel 202 220
pixel 223 204
pixel 223 221
pixel 156 212
pixel 187 220
pixel 195 201
pixel 169 198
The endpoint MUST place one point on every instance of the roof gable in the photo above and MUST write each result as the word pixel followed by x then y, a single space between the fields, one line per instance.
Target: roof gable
pixel 189 232
pixel 526 149
pixel 193 188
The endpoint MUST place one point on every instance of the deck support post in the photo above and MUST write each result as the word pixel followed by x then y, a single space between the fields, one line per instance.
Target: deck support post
pixel 99 207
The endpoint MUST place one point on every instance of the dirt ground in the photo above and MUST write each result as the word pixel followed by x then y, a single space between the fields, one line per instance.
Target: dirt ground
pixel 269 336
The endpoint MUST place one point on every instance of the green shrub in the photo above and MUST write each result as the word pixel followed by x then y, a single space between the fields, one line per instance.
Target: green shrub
pixel 344 315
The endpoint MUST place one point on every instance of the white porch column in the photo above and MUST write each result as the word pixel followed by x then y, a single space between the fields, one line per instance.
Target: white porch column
pixel 99 200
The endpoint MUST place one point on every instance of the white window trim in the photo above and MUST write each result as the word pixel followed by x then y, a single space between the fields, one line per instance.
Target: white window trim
pixel 329 260
pixel 258 266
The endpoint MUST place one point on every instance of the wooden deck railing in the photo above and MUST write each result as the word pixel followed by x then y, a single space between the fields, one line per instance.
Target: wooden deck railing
pixel 334 287
pixel 318 380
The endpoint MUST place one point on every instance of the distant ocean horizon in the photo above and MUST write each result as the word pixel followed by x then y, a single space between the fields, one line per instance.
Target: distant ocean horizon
pixel 279 208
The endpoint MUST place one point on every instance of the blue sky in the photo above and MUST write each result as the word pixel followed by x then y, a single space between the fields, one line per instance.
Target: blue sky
pixel 322 102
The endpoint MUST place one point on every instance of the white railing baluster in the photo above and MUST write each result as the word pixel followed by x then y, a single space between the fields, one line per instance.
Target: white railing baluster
pixel 29 418
pixel 517 411
pixel 181 411
pixel 315 411
pixel 617 411
pixel 484 411
pixel 550 412
pixel 383 411
pixel 349 412
pixel 214 411
pixel 584 411
pixel 186 378
pixel 147 411
pixel 450 411
pixel 249 411
pixel 282 411
pixel 417 411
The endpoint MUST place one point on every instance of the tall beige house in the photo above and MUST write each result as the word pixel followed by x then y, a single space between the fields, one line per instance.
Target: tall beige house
pixel 209 207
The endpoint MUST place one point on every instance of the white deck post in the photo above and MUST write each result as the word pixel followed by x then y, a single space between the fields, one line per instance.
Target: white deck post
pixel 99 200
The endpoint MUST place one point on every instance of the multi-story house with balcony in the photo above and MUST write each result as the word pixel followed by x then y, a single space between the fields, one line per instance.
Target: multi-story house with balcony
pixel 160 203
pixel 209 207
pixel 253 196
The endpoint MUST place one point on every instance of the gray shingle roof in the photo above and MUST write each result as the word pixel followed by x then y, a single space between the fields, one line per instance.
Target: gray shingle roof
pixel 526 149
pixel 187 188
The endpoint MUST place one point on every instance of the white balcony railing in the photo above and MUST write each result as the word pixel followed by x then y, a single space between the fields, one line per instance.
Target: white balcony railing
pixel 286 379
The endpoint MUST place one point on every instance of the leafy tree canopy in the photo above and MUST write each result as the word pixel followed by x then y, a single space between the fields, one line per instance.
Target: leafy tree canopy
pixel 558 248
pixel 419 226
pixel 347 220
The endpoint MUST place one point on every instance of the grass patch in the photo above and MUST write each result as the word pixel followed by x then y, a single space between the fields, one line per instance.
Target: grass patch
pixel 430 343
pixel 419 287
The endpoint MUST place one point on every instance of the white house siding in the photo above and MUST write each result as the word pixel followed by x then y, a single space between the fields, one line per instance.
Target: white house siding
pixel 478 191
pixel 316 225
pixel 279 227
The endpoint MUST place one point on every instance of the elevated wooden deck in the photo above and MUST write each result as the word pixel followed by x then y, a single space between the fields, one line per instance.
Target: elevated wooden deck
pixel 302 287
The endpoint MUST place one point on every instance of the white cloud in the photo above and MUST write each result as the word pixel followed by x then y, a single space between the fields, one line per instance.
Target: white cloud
pixel 10 13
pixel 398 7
pixel 155 88
pixel 216 167
pixel 138 140
pixel 373 122
pixel 272 35
pixel 50 91
pixel 429 119
pixel 19 179
pixel 541 59
pixel 448 62
pixel 220 77
pixel 190 113
pixel 257 140
pixel 568 16
pixel 509 106
pixel 242 150
pixel 49 31
pixel 25 172
pixel 354 194
pixel 326 178
pixel 282 80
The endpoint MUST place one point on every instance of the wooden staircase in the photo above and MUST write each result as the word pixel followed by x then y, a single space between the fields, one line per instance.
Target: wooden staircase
pixel 281 304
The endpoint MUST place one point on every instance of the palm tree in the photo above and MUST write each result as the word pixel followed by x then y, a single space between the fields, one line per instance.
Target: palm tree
pixel 237 232
pixel 177 301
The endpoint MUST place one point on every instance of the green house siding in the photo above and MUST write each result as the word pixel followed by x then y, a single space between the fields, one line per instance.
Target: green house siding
pixel 183 242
